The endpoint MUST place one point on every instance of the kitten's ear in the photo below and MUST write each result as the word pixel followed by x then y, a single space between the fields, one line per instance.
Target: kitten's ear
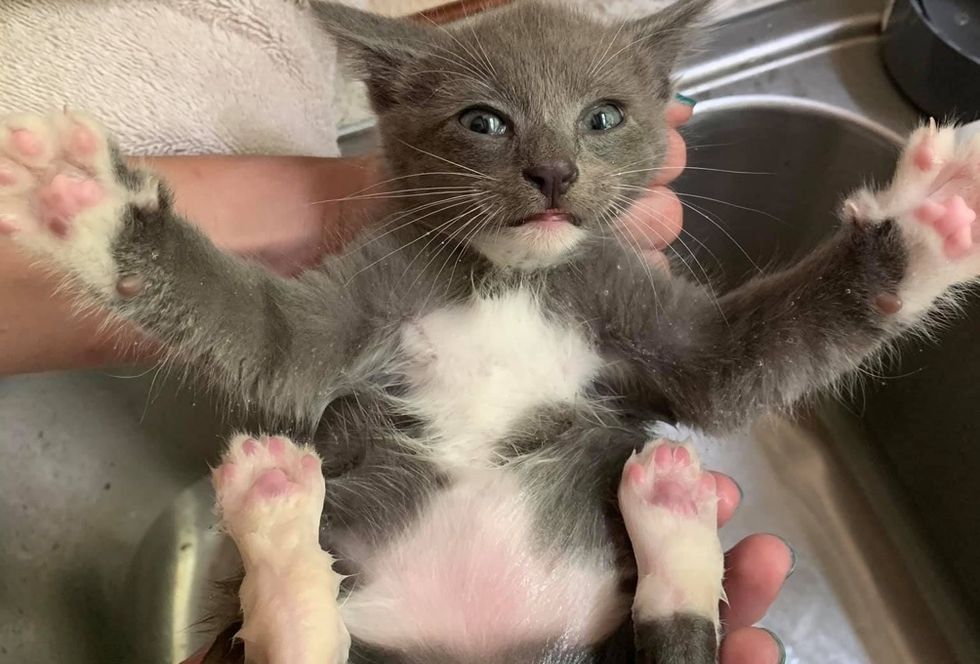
pixel 667 34
pixel 376 48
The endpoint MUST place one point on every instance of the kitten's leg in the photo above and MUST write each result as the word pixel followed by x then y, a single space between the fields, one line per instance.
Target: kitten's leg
pixel 270 495
pixel 670 509
pixel 901 253
pixel 67 197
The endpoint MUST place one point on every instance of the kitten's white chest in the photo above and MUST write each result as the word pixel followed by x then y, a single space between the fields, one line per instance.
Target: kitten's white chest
pixel 474 369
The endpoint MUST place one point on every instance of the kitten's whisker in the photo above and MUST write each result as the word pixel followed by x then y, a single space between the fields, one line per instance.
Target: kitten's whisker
pixel 466 49
pixel 464 64
pixel 707 280
pixel 691 168
pixel 443 208
pixel 401 177
pixel 624 231
pixel 483 220
pixel 660 216
pixel 448 161
pixel 694 238
pixel 591 70
pixel 476 38
pixel 717 224
pixel 452 247
pixel 607 61
pixel 734 205
pixel 407 244
pixel 472 208
pixel 401 214
pixel 461 75
pixel 704 214
pixel 400 193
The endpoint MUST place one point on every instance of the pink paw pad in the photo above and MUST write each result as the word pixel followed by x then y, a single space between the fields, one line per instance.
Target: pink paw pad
pixel 924 157
pixel 223 474
pixel 250 447
pixel 257 471
pixel 953 221
pixel 8 225
pixel 277 446
pixel 63 198
pixel 272 482
pixel 670 478
pixel 83 142
pixel 26 143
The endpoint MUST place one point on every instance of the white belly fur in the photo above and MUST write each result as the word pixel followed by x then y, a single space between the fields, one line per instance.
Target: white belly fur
pixel 475 369
pixel 466 578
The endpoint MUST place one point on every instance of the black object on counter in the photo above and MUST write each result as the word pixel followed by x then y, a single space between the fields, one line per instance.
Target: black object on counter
pixel 932 50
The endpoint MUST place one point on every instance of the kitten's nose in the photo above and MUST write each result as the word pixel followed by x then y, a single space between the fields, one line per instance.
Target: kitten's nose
pixel 552 178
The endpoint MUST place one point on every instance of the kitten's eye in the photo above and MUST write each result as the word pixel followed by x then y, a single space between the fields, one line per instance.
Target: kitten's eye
pixel 604 117
pixel 483 121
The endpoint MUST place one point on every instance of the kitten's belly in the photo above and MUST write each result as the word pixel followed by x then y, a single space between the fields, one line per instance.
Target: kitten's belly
pixel 472 575
pixel 469 578
pixel 475 369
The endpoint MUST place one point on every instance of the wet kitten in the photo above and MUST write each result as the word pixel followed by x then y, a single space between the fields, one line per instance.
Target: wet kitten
pixel 476 375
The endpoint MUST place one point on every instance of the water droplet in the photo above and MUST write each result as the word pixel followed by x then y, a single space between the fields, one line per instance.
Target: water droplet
pixel 961 18
pixel 847 291
pixel 154 255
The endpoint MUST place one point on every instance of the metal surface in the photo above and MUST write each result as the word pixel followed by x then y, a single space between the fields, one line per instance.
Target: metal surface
pixel 873 489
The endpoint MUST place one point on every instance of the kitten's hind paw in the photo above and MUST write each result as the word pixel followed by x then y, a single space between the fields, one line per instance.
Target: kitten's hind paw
pixel 270 495
pixel 933 198
pixel 669 505
pixel 62 194
pixel 269 483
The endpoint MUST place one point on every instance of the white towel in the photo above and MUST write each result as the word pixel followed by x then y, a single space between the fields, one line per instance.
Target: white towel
pixel 198 76
pixel 177 76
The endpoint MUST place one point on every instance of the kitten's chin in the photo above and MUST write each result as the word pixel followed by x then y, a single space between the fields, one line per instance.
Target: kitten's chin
pixel 532 246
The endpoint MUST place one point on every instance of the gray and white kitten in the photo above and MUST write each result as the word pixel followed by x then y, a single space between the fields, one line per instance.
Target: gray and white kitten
pixel 478 372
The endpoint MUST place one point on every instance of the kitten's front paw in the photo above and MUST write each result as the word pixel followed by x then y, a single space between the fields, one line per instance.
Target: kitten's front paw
pixel 934 198
pixel 62 195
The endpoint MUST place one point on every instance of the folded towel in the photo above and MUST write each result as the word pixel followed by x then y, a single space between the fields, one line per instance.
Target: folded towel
pixel 177 76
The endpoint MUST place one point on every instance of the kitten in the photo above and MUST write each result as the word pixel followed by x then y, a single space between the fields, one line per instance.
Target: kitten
pixel 477 374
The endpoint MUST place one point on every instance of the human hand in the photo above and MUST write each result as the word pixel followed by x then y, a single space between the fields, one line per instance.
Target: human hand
pixel 755 570
pixel 656 219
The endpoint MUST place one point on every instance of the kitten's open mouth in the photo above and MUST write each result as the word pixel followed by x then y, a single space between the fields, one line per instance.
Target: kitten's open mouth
pixel 552 218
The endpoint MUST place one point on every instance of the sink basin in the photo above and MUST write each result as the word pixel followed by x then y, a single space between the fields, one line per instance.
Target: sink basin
pixel 108 530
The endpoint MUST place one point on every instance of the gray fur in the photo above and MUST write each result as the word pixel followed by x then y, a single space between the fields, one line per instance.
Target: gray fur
pixel 318 355
pixel 679 639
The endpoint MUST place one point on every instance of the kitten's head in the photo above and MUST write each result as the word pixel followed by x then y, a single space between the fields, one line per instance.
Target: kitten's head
pixel 523 131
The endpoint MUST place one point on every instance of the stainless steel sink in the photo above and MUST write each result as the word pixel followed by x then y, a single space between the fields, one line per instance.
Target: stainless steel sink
pixel 107 523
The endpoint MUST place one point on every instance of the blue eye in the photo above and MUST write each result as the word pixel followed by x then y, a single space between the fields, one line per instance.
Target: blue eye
pixel 483 121
pixel 604 117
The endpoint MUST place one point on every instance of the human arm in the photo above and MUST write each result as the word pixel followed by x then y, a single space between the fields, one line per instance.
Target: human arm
pixel 252 206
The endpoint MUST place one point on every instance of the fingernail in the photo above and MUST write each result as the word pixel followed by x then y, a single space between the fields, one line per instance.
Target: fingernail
pixel 741 491
pixel 684 99
pixel 779 644
pixel 792 553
